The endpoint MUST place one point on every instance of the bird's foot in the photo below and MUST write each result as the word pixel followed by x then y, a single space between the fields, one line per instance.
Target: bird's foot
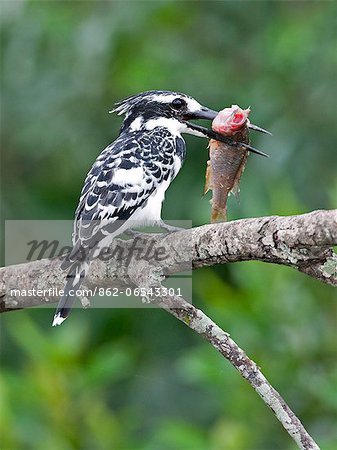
pixel 169 228
pixel 133 233
pixel 144 234
pixel 139 234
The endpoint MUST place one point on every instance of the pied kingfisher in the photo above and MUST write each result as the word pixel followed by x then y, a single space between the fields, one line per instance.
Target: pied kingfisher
pixel 128 181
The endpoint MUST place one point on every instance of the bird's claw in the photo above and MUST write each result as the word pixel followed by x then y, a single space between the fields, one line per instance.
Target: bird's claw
pixel 139 234
pixel 162 225
pixel 133 233
pixel 169 228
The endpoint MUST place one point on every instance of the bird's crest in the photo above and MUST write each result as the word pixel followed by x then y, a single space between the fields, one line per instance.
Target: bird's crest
pixel 124 106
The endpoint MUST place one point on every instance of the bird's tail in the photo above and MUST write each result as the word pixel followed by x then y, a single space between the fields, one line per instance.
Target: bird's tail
pixel 75 278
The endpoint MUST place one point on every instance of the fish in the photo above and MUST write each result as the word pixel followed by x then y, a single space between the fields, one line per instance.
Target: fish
pixel 227 161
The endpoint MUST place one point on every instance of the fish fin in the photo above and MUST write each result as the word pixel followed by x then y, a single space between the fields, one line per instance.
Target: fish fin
pixel 208 181
pixel 236 191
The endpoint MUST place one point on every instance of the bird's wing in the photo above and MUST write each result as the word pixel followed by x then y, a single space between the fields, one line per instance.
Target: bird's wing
pixel 119 183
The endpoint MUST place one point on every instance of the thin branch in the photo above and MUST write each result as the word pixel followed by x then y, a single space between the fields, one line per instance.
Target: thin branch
pixel 199 322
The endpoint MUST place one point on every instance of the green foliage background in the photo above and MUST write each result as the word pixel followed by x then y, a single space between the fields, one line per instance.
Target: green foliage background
pixel 122 379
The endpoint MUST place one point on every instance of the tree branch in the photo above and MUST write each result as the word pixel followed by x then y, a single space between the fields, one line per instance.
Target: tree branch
pixel 303 242
pixel 198 321
pixel 146 276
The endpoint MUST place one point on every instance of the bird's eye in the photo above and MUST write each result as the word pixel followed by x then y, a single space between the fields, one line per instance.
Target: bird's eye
pixel 178 104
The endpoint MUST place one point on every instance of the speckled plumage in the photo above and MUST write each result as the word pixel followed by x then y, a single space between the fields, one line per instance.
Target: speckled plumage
pixel 125 186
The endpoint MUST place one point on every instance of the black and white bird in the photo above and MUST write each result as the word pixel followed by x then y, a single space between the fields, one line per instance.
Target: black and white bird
pixel 128 181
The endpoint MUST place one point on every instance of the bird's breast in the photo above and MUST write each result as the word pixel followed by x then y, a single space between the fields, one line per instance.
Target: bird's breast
pixel 150 214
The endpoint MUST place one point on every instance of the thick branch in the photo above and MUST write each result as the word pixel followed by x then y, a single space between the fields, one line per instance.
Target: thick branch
pixel 303 242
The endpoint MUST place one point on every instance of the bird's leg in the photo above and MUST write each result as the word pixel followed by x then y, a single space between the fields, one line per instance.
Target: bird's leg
pixel 133 233
pixel 139 234
pixel 169 228
pixel 160 224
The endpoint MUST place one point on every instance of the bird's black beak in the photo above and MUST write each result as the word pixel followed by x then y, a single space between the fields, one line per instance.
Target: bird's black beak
pixel 209 114
pixel 259 129
pixel 204 113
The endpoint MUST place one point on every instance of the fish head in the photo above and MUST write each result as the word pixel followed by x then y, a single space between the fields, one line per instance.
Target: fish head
pixel 230 120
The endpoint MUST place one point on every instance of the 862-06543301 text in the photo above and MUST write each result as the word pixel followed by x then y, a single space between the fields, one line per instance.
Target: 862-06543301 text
pixel 101 292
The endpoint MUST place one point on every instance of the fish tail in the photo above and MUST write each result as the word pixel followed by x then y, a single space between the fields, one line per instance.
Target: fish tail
pixel 219 215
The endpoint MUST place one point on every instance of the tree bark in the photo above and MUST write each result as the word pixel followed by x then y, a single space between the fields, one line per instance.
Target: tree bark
pixel 302 242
